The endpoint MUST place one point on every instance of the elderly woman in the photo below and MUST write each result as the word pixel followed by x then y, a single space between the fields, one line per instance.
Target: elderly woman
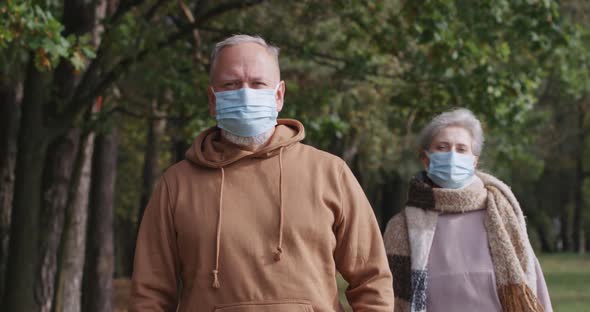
pixel 461 244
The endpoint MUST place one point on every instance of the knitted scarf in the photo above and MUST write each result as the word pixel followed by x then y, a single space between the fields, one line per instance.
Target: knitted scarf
pixel 409 236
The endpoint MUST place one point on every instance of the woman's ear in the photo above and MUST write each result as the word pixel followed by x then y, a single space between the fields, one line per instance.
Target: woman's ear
pixel 425 160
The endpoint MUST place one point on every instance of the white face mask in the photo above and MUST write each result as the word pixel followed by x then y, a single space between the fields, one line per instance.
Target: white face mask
pixel 450 169
pixel 246 112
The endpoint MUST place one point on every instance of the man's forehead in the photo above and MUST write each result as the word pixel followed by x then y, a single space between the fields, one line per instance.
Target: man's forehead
pixel 253 58
pixel 245 46
pixel 246 53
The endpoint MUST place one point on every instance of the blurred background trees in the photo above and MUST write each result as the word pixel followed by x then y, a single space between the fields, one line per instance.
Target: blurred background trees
pixel 99 97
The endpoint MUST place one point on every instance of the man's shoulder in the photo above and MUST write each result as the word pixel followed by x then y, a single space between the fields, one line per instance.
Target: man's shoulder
pixel 319 156
pixel 180 167
pixel 182 170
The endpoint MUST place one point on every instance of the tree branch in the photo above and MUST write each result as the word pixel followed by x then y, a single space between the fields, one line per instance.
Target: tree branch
pixel 226 7
pixel 76 104
pixel 137 115
pixel 151 12
pixel 124 7
pixel 83 97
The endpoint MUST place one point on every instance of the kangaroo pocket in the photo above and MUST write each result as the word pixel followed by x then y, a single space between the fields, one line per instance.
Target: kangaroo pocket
pixel 267 306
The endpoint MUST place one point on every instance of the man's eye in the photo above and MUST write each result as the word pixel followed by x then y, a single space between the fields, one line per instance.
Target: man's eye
pixel 229 84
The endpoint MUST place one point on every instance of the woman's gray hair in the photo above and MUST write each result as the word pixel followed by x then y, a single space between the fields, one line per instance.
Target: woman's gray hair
pixel 460 117
pixel 239 39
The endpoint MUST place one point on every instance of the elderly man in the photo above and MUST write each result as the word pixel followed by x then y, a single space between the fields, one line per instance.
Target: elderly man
pixel 254 220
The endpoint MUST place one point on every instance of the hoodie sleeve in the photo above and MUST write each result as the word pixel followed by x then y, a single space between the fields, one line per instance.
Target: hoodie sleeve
pixel 155 269
pixel 360 253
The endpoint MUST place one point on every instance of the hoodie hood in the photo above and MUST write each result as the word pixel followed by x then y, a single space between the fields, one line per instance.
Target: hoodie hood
pixel 211 151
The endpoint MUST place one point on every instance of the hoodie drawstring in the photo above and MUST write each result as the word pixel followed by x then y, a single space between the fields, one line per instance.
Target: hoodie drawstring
pixel 215 272
pixel 279 251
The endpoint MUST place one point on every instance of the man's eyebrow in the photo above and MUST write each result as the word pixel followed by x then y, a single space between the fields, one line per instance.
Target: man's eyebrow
pixel 228 79
pixel 229 74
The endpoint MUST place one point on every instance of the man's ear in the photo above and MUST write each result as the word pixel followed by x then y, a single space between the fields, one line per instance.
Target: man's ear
pixel 476 162
pixel 280 95
pixel 211 98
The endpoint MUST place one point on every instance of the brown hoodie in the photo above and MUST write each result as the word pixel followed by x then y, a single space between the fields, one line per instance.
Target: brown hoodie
pixel 234 230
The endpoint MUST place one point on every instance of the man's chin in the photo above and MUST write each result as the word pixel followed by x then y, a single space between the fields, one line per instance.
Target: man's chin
pixel 253 141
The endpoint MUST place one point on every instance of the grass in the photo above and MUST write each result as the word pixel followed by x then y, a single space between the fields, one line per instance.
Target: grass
pixel 567 276
pixel 568 279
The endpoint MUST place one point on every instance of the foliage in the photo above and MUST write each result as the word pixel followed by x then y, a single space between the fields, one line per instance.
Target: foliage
pixel 27 27
pixel 365 76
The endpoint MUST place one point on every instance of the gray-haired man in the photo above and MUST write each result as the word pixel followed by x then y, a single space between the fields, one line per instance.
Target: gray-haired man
pixel 254 220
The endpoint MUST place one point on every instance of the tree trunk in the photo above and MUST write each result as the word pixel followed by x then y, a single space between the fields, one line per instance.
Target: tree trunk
pixel 69 283
pixel 61 158
pixel 564 230
pixel 544 239
pixel 578 229
pixel 97 293
pixel 393 197
pixel 24 233
pixel 151 168
pixel 179 145
pixel 11 96
pixel 79 18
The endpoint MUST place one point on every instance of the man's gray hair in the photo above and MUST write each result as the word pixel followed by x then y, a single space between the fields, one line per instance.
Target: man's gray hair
pixel 239 39
pixel 460 117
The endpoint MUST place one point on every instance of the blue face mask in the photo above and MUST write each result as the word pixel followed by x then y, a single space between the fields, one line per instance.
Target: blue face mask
pixel 246 112
pixel 451 170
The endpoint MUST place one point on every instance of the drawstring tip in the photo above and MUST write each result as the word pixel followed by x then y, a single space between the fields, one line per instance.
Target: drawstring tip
pixel 216 284
pixel 278 254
